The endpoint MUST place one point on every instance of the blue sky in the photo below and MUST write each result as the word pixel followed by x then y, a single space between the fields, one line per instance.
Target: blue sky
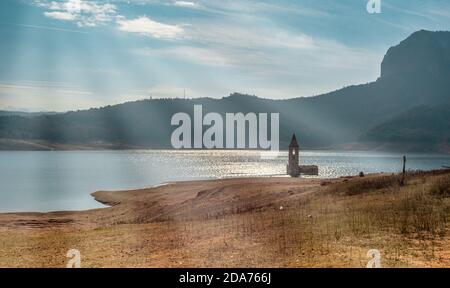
pixel 76 54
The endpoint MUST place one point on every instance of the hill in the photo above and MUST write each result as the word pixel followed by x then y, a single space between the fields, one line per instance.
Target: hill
pixel 414 74
pixel 421 128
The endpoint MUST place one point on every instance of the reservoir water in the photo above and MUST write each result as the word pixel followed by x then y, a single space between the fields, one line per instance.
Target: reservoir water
pixel 63 180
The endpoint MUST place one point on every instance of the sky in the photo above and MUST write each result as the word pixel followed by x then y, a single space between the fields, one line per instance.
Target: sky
pixel 76 54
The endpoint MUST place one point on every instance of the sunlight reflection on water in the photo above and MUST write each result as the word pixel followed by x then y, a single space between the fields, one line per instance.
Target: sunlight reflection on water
pixel 45 181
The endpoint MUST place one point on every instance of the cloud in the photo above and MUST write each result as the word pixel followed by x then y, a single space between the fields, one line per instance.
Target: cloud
pixel 170 91
pixel 262 50
pixel 196 55
pixel 83 12
pixel 65 16
pixel 226 45
pixel 250 8
pixel 148 27
pixel 48 28
pixel 186 4
pixel 94 13
pixel 54 96
pixel 247 36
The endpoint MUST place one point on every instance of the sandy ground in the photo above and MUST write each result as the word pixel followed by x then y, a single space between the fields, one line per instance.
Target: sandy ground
pixel 248 222
pixel 192 200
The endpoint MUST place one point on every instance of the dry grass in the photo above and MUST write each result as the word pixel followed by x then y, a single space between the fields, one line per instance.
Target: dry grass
pixel 441 187
pixel 333 227
pixel 366 185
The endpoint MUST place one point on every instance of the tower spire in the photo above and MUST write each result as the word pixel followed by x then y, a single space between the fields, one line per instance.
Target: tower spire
pixel 294 142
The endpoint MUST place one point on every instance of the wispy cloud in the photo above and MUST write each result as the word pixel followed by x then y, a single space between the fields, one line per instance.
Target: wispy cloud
pixel 247 36
pixel 148 27
pixel 170 91
pixel 186 4
pixel 83 12
pixel 60 15
pixel 246 8
pixel 46 28
pixel 94 13
pixel 196 55
pixel 53 96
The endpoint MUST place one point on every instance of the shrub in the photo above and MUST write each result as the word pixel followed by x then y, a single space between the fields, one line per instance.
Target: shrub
pixel 364 185
pixel 441 186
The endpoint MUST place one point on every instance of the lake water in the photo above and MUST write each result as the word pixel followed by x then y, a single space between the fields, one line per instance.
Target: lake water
pixel 49 181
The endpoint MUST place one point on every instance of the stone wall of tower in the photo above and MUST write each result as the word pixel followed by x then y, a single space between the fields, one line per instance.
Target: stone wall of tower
pixel 293 168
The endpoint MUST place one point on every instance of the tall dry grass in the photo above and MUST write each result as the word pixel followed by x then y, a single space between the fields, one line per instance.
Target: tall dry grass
pixel 333 227
pixel 336 227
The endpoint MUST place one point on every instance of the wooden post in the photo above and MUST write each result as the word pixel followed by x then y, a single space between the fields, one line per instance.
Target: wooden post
pixel 402 182
pixel 404 165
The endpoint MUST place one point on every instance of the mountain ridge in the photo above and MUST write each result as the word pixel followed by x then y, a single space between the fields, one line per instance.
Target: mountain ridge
pixel 414 73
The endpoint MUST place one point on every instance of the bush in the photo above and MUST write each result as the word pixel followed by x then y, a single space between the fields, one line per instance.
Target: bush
pixel 441 187
pixel 364 185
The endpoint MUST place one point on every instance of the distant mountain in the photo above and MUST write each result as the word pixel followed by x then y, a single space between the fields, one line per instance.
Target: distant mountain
pixel 421 128
pixel 22 113
pixel 414 77
pixel 423 55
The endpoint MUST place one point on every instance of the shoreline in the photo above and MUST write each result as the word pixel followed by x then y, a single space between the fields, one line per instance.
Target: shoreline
pixel 105 200
pixel 15 145
pixel 170 193
pixel 146 188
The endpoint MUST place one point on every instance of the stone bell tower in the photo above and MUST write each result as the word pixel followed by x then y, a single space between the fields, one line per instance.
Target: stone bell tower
pixel 293 168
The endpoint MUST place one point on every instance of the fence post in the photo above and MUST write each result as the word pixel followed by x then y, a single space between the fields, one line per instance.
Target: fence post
pixel 402 182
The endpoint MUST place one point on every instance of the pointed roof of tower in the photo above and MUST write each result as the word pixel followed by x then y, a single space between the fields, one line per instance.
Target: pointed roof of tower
pixel 294 143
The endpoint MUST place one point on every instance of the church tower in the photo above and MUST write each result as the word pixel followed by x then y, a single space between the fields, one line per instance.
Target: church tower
pixel 293 168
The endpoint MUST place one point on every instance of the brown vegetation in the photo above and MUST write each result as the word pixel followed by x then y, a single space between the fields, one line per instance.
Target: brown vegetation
pixel 258 222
